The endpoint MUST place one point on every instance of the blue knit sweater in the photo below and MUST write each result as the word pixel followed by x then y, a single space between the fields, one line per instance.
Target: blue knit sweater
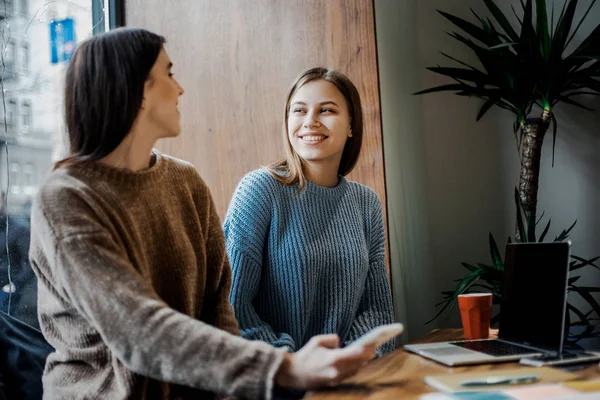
pixel 307 263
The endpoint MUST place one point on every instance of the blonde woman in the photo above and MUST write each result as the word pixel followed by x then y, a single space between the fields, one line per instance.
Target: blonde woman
pixel 307 246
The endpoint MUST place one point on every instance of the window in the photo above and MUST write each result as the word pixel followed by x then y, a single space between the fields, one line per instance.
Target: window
pixel 25 8
pixel 25 116
pixel 15 178
pixel 29 180
pixel 30 156
pixel 6 8
pixel 24 61
pixel 11 111
pixel 9 59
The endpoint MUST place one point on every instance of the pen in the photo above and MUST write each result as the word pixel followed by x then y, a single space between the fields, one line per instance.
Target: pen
pixel 501 380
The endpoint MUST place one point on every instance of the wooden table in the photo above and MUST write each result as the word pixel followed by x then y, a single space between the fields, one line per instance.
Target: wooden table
pixel 400 375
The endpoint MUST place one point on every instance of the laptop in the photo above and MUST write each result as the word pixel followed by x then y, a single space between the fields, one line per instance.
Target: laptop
pixel 532 318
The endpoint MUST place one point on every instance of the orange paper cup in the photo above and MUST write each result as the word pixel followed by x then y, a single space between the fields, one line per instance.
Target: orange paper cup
pixel 475 313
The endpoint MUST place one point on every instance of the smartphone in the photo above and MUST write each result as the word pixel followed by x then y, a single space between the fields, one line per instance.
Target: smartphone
pixel 378 336
pixel 565 358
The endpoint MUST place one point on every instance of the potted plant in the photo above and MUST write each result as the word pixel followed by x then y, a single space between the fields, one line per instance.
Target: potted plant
pixel 528 72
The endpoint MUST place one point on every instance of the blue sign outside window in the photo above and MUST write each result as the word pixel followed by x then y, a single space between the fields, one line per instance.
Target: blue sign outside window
pixel 62 40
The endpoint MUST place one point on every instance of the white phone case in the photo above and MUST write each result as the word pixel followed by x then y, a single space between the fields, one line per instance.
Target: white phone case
pixel 378 336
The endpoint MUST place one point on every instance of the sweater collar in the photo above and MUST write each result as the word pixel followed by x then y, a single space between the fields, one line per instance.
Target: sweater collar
pixel 325 191
pixel 125 176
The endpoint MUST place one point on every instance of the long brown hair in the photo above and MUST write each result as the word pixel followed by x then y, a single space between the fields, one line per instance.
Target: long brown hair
pixel 104 88
pixel 288 170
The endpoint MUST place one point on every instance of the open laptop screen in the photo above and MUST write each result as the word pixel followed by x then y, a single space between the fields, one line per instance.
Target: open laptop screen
pixel 535 290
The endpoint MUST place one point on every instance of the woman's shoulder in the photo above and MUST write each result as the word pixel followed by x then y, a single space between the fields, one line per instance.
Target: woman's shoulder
pixel 66 201
pixel 179 165
pixel 60 186
pixel 184 172
pixel 364 192
pixel 259 180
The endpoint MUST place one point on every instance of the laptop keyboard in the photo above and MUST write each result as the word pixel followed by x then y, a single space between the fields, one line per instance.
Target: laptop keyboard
pixel 494 347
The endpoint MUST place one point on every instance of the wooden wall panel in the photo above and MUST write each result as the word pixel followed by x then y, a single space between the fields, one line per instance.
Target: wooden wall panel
pixel 236 59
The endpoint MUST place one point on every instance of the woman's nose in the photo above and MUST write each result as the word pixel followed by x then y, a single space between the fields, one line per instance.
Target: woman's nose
pixel 311 120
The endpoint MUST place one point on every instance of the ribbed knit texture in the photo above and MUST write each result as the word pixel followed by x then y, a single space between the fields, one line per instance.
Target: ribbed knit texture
pixel 133 284
pixel 307 263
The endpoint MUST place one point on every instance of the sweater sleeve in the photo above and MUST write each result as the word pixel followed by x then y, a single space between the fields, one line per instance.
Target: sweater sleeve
pixel 221 314
pixel 246 228
pixel 93 273
pixel 375 306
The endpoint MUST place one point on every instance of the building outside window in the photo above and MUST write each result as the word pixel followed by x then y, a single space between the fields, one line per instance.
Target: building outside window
pixel 7 8
pixel 24 61
pixel 25 8
pixel 15 178
pixel 9 59
pixel 11 111
pixel 26 159
pixel 25 116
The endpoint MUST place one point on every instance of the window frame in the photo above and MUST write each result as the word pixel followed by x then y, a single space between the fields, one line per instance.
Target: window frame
pixel 26 105
pixel 116 15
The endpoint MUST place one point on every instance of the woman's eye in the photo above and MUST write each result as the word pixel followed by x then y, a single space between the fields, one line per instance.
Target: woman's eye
pixel 323 110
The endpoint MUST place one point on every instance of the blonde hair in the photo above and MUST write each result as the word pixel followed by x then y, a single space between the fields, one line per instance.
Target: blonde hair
pixel 288 170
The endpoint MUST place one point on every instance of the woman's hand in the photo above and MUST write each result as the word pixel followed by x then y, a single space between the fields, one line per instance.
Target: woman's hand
pixel 321 363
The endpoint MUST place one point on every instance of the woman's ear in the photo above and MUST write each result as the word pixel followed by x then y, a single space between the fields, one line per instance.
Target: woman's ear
pixel 350 133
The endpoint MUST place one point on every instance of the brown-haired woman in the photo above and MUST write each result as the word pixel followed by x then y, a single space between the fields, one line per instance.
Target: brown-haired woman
pixel 307 246
pixel 129 251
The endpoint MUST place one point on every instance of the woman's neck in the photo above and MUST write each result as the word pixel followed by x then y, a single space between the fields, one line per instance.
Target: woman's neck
pixel 133 153
pixel 322 174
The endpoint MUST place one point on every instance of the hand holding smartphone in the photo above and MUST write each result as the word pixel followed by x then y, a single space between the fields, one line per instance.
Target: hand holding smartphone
pixel 378 336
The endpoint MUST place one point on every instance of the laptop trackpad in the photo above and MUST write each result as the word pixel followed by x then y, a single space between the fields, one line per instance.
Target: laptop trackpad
pixel 448 351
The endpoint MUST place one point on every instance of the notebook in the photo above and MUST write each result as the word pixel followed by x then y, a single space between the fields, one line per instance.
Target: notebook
pixel 452 382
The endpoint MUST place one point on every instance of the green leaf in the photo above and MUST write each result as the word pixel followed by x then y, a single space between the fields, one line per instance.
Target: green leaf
pixel 585 294
pixel 552 24
pixel 563 27
pixel 495 253
pixel 501 46
pixel 542 28
pixel 588 289
pixel 545 231
pixel 555 127
pixel 458 61
pixel 448 304
pixel 580 22
pixel 476 77
pixel 516 15
pixel 502 20
pixel 576 311
pixel 585 262
pixel 565 234
pixel 573 103
pixel 527 32
pixel 590 83
pixel 469 266
pixel 520 225
pixel 473 30
pixel 464 284
pixel 589 46
pixel 574 279
pixel 442 88
pixel 530 227
pixel 485 108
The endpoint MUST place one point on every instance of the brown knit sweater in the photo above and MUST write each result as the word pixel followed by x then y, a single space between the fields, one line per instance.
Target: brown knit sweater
pixel 134 285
